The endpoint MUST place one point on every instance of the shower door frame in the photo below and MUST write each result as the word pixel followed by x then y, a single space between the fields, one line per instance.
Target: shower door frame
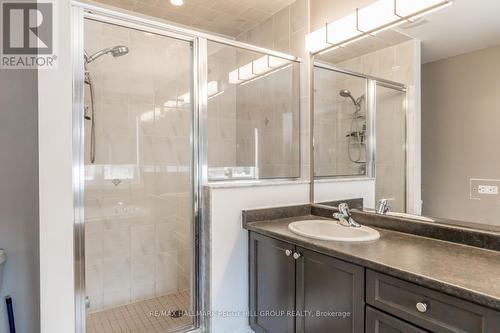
pixel 201 283
pixel 371 108
pixel 404 106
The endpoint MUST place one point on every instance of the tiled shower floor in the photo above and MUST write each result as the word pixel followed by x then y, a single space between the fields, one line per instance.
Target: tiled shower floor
pixel 140 317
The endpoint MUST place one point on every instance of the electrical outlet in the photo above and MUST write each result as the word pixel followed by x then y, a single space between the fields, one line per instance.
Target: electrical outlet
pixel 484 189
pixel 487 189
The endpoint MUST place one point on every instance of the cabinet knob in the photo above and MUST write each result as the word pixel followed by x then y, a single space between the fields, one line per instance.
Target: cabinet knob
pixel 422 307
pixel 297 255
pixel 288 252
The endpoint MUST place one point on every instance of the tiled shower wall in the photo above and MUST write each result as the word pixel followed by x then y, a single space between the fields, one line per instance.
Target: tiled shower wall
pixel 138 193
pixel 285 31
pixel 333 120
pixel 262 112
pixel 221 108
pixel 270 106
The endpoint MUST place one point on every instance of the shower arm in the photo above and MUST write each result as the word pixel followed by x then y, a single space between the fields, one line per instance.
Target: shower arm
pixel 89 59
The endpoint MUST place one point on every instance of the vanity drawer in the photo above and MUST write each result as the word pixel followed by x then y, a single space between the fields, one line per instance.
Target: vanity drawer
pixel 379 322
pixel 427 308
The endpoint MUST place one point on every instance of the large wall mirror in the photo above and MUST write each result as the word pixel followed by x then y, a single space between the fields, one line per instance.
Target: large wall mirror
pixel 409 117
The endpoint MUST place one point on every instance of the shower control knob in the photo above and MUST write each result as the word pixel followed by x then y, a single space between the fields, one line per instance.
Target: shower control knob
pixel 288 252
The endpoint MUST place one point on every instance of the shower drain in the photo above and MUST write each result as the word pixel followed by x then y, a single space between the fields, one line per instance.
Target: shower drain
pixel 176 313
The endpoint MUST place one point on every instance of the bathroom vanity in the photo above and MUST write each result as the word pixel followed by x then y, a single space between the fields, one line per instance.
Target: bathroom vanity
pixel 402 282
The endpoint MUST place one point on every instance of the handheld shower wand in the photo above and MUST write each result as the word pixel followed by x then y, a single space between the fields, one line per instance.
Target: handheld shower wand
pixel 116 51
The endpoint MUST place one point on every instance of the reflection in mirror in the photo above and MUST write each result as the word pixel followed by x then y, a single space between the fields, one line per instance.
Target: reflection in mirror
pixel 438 140
pixel 340 125
pixel 390 169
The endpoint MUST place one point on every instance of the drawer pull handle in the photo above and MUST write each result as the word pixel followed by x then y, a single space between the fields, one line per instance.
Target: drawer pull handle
pixel 288 252
pixel 422 307
pixel 296 255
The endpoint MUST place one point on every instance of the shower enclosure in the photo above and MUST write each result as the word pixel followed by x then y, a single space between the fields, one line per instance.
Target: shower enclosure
pixel 360 131
pixel 138 197
pixel 158 111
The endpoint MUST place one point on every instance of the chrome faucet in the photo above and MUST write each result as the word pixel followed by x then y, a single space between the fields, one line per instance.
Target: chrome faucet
pixel 383 206
pixel 344 216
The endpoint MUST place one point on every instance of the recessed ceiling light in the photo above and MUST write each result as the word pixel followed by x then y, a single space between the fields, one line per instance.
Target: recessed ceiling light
pixel 177 2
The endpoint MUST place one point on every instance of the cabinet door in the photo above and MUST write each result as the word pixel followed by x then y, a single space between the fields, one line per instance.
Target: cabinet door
pixel 330 294
pixel 272 285
pixel 379 322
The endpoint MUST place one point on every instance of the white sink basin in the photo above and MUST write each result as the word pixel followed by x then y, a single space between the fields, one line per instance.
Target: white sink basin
pixel 410 216
pixel 331 230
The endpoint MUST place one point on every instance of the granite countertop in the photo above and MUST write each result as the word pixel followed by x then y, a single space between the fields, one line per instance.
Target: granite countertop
pixel 464 271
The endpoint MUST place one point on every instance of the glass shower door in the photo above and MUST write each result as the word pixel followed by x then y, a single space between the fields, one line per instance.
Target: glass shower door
pixel 391 147
pixel 139 247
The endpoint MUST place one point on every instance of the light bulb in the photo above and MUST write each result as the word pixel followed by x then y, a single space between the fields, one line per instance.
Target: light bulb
pixel 177 2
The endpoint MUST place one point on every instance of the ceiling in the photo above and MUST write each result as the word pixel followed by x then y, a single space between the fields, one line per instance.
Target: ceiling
pixel 225 17
pixel 465 26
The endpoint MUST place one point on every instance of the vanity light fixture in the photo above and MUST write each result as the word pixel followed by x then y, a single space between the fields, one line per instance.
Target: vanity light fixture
pixel 177 2
pixel 256 68
pixel 368 21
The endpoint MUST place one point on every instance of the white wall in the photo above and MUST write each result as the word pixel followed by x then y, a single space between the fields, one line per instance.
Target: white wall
pixel 19 197
pixel 55 185
pixel 339 189
pixel 229 246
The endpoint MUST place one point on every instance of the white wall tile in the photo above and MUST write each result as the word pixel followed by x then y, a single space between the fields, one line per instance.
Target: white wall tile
pixel 142 240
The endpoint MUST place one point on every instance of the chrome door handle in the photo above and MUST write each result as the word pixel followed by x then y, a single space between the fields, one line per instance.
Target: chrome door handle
pixel 297 255
pixel 288 252
pixel 422 307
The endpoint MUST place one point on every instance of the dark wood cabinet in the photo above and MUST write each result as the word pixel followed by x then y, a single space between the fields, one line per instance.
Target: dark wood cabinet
pixel 272 285
pixel 330 292
pixel 302 291
pixel 426 308
pixel 296 290
pixel 379 322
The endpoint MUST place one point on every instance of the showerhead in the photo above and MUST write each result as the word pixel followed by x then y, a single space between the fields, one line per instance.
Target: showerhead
pixel 347 93
pixel 116 51
pixel 119 51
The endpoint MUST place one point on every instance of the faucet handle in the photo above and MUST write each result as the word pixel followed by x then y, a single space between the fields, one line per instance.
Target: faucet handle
pixel 383 205
pixel 344 216
pixel 344 209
